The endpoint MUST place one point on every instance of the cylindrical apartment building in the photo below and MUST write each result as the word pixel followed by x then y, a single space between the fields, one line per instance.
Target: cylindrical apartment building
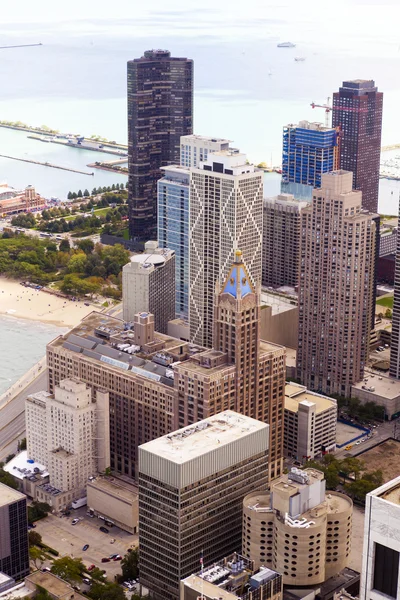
pixel 297 530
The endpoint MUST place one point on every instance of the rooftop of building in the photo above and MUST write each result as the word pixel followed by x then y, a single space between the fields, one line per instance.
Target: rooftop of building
pixel 205 138
pixel 9 495
pixel 344 578
pixel 152 256
pixel 233 577
pixel 312 126
pixel 5 579
pixel 389 491
pixel 53 584
pixel 379 385
pixel 116 487
pixel 212 433
pixel 22 467
pixel 17 591
pixel 278 301
pixel 237 283
pixel 296 393
pixel 109 340
pixel 285 200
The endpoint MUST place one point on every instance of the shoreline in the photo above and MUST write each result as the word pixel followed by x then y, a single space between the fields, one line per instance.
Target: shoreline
pixel 25 303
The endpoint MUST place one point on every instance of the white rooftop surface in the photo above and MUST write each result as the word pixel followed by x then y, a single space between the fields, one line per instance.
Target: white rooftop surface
pixel 386 387
pixel 203 437
pixel 8 495
pixel 278 303
pixel 20 461
pixel 149 259
pixel 18 591
pixel 4 578
pixel 205 138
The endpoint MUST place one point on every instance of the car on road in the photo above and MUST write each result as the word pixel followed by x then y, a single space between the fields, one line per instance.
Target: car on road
pixel 46 570
pixel 104 529
pixel 91 567
pixel 349 447
pixel 363 440
pixel 31 525
pixel 113 555
pixel 358 442
pixel 87 581
pixel 85 547
pixel 118 557
pixel 75 521
pixel 105 560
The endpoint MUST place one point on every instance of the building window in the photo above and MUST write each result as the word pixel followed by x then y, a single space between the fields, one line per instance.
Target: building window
pixel 386 570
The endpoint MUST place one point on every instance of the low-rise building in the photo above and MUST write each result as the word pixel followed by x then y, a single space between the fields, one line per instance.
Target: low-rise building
pixel 310 423
pixel 279 314
pixel 381 389
pixel 56 587
pixel 114 500
pixel 297 529
pixel 13 202
pixel 381 548
pixel 233 578
pixel 27 473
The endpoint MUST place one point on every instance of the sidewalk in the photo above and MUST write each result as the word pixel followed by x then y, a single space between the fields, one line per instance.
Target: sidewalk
pixel 22 383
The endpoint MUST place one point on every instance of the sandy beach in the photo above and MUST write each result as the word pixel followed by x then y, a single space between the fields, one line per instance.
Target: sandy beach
pixel 27 303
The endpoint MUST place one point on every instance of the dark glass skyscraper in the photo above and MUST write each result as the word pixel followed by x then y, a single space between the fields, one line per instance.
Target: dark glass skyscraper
pixel 14 554
pixel 160 110
pixel 357 109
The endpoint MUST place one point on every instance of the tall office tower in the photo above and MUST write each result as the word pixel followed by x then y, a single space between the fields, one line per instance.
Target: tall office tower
pixel 160 110
pixel 297 529
pixel 148 285
pixel 395 338
pixel 195 149
pixel 309 149
pixel 281 240
pixel 241 373
pixel 226 213
pixel 336 287
pixel 65 432
pixel 14 550
pixel 191 488
pixel 381 548
pixel 357 110
pixel 173 229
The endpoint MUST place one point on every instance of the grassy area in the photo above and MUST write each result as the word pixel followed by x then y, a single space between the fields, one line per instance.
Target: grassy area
pixel 386 301
pixel 126 234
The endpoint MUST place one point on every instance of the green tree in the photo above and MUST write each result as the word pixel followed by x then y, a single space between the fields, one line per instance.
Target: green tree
pixel 388 313
pixel 87 246
pixel 68 568
pixel 130 565
pixel 94 191
pixel 77 263
pixel 42 594
pixel 35 539
pixel 36 556
pixel 107 591
pixel 97 574
pixel 38 510
pixel 65 246
pixel 8 479
pixel 22 444
pixel 86 192
pixel 351 466
pixel 79 194
pixel 9 457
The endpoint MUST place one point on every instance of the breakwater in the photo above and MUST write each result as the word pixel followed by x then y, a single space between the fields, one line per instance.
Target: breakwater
pixel 45 164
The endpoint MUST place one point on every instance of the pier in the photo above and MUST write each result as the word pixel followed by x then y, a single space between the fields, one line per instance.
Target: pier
pixel 45 164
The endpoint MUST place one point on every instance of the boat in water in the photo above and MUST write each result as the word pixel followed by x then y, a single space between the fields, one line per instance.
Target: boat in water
pixel 286 45
pixel 299 58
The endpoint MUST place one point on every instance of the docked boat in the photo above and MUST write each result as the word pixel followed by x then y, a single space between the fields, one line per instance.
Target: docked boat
pixel 299 58
pixel 286 45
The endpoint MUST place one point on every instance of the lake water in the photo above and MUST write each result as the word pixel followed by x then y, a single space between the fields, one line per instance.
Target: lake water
pixel 246 88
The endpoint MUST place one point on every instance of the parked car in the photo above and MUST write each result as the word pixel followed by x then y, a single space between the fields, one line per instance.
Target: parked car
pixel 91 567
pixel 75 521
pixel 105 560
pixel 113 555
pixel 118 557
pixel 104 529
pixel 85 547
pixel 46 570
pixel 87 581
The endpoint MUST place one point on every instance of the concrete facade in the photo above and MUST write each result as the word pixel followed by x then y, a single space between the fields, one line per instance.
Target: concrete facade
pixel 225 214
pixel 336 287
pixel 148 285
pixel 279 318
pixel 381 389
pixel 281 240
pixel 14 552
pixel 381 548
pixel 310 423
pixel 116 500
pixel 297 529
pixel 196 148
pixel 191 487
pixel 69 433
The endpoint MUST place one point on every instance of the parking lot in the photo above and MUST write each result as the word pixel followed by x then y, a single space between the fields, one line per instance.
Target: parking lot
pixel 68 539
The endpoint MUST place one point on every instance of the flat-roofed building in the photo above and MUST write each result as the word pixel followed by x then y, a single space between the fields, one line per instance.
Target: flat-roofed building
pixel 297 529
pixel 116 500
pixel 233 578
pixel 310 423
pixel 191 487
pixel 57 588
pixel 381 548
pixel 381 389
pixel 196 148
pixel 14 551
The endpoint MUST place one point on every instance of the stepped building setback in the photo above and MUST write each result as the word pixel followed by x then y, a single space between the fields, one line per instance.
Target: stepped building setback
pixel 191 488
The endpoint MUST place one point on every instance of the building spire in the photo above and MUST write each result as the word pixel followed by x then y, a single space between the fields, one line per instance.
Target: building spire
pixel 238 283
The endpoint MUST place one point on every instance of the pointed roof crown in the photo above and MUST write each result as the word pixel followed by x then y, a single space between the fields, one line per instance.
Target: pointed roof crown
pixel 238 283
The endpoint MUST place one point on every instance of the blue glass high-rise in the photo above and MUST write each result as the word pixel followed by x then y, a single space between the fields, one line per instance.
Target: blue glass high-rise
pixel 173 229
pixel 309 149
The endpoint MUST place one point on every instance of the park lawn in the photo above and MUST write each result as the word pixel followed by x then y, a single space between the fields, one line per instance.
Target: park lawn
pixel 386 301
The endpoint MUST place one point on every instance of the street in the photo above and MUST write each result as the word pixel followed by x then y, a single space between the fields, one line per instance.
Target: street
pixel 381 433
pixel 12 415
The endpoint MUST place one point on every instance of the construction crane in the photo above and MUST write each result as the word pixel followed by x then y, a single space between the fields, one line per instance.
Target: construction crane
pixel 327 108
pixel 20 46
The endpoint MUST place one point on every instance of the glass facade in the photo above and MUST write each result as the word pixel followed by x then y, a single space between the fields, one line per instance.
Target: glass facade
pixel 307 153
pixel 173 230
